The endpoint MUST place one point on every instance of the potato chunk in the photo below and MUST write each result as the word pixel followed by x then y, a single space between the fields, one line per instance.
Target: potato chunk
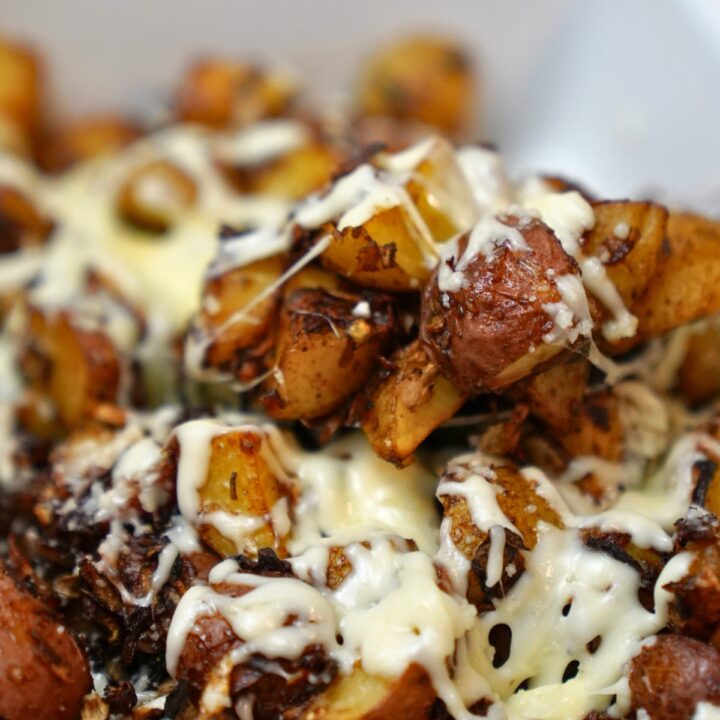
pixel 522 504
pixel 628 238
pixel 221 92
pixel 85 139
pixel 43 673
pixel 699 374
pixel 241 484
pixel 408 402
pixel 291 176
pixel 670 677
pixel 156 195
pixel 360 696
pixel 78 370
pixel 686 283
pixel 420 78
pixel 20 88
pixel 436 185
pixel 388 251
pixel 21 223
pixel 493 312
pixel 325 351
pixel 230 339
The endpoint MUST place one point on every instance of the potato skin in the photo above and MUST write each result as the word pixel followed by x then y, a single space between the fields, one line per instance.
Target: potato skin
pixel 490 333
pixel 43 673
pixel 669 678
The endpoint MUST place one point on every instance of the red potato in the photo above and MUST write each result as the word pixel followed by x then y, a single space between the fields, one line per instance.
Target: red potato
pixel 43 673
pixel 670 677
pixel 491 331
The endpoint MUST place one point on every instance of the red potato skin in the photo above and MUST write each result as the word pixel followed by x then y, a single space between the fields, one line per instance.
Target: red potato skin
pixel 670 677
pixel 490 324
pixel 43 673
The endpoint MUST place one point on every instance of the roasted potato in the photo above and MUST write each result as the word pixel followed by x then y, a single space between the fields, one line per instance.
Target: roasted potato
pixel 156 195
pixel 685 285
pixel 22 225
pixel 85 139
pixel 628 238
pixel 437 186
pixel 232 340
pixel 78 370
pixel 221 92
pixel 242 485
pixel 326 350
pixel 216 670
pixel 409 399
pixel 695 608
pixel 671 676
pixel 291 176
pixel 388 251
pixel 43 672
pixel 359 696
pixel 699 374
pixel 20 91
pixel 494 327
pixel 523 506
pixel 428 79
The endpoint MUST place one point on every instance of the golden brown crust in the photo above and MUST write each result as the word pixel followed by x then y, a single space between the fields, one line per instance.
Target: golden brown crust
pixel 325 352
pixel 408 400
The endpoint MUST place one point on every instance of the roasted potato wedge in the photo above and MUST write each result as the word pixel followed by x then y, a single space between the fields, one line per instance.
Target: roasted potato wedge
pixel 409 400
pixel 241 483
pixel 360 696
pixel 85 139
pixel 389 251
pixel 292 176
pixel 555 395
pixel 221 92
pixel 78 370
pixel 43 672
pixel 420 78
pixel 239 345
pixel 20 90
pixel 156 195
pixel 628 238
pixel 686 283
pixel 325 351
